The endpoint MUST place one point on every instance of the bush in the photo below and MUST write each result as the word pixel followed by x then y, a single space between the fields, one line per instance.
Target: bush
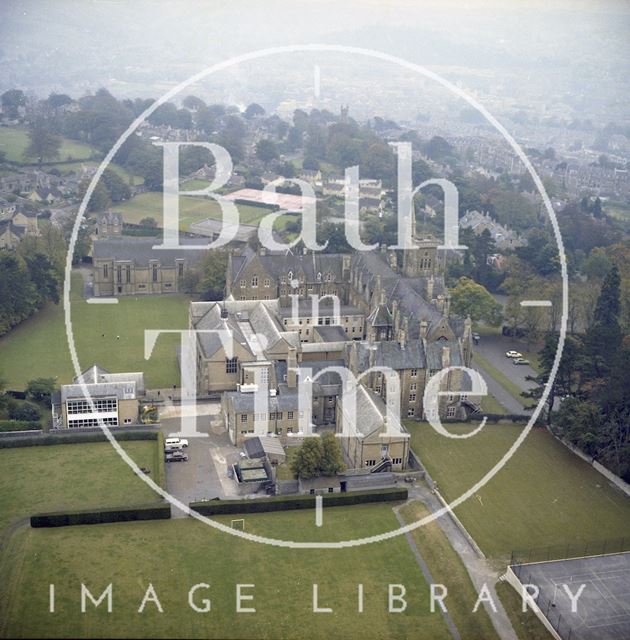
pixel 18 425
pixel 156 511
pixel 24 411
pixel 288 503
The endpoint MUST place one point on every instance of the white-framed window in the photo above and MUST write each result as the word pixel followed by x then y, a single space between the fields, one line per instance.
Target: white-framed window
pixel 231 365
pixel 414 373
pixel 396 460
pixel 370 463
pixel 412 397
pixel 450 411
pixel 411 412
pixel 128 421
pixel 413 386
pixel 289 415
pixel 243 284
pixel 254 281
pixel 243 417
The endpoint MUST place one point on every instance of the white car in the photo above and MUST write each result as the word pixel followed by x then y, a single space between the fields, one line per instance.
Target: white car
pixel 513 354
pixel 172 441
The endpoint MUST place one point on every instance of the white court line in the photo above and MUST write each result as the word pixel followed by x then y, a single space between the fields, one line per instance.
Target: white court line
pixel 102 301
pixel 319 514
pixel 535 303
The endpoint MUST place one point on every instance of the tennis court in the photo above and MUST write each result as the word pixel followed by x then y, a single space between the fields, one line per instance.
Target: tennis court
pixel 603 607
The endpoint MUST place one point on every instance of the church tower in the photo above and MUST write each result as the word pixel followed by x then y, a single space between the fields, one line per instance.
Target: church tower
pixel 422 261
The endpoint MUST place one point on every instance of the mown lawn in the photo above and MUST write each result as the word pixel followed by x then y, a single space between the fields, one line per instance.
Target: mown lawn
pixel 72 476
pixel 544 495
pixel 175 555
pixel 14 141
pixel 191 209
pixel 110 335
pixel 447 568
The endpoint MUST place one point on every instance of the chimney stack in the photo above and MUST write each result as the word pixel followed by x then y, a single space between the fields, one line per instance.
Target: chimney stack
pixel 446 357
pixel 423 329
pixel 430 284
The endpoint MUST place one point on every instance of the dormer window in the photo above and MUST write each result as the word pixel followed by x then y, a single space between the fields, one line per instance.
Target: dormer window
pixel 290 275
pixel 319 277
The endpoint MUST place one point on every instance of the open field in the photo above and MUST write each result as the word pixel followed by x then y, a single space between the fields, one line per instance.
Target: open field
pixel 446 568
pixel 39 348
pixel 191 208
pixel 544 495
pixel 175 555
pixel 72 476
pixel 14 140
pixel 69 167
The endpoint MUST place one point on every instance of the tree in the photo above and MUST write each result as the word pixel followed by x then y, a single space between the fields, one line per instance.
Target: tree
pixel 332 456
pixel 99 200
pixel 117 189
pixel 12 100
pixel 43 144
pixel 57 100
pixel 567 379
pixel 597 208
pixel 266 150
pixel 213 269
pixel 24 411
pixel 580 422
pixel 193 103
pixel 148 222
pixel 40 389
pixel 254 110
pixel 603 339
pixel 307 460
pixel 469 298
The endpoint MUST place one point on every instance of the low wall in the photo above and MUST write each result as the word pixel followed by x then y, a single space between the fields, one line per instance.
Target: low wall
pixel 607 473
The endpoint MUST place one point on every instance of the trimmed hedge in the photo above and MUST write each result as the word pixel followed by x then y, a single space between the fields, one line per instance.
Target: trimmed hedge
pixel 288 503
pixel 156 511
pixel 19 425
pixel 75 438
pixel 160 469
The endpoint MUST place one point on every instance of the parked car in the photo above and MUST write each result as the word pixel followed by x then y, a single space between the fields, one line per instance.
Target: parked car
pixel 520 361
pixel 476 337
pixel 513 354
pixel 175 456
pixel 173 440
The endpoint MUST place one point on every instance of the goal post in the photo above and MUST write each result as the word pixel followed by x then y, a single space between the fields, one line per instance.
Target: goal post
pixel 238 524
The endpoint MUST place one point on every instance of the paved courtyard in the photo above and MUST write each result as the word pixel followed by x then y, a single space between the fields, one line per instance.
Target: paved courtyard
pixel 205 475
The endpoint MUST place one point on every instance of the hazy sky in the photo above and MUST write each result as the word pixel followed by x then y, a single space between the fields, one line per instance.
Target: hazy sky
pixel 144 46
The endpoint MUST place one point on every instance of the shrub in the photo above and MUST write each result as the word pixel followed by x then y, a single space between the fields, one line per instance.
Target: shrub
pixel 288 503
pixel 18 425
pixel 156 511
pixel 24 411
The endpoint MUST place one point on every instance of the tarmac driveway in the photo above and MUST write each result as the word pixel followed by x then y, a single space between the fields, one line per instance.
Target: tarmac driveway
pixel 205 475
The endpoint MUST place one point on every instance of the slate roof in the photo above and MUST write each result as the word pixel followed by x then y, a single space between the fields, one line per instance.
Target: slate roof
pixel 331 333
pixel 259 447
pixel 280 264
pixel 140 250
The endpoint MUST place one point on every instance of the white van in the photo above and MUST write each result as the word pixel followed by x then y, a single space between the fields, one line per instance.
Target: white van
pixel 176 443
